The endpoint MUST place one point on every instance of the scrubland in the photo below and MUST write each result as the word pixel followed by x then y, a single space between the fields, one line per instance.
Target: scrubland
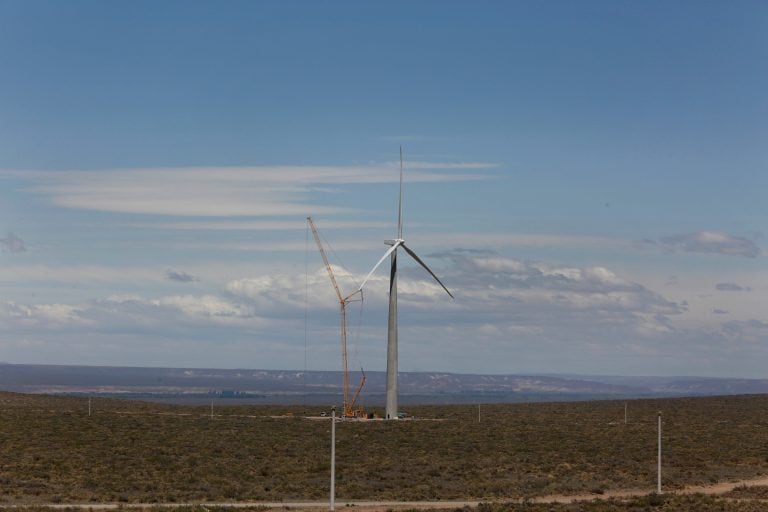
pixel 51 451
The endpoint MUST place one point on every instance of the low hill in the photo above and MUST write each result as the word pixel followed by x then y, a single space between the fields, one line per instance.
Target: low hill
pixel 190 385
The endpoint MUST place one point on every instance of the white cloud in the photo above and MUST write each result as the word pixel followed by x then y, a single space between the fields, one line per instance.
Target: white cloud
pixel 217 191
pixel 41 314
pixel 207 306
pixel 278 291
pixel 585 305
pixel 263 225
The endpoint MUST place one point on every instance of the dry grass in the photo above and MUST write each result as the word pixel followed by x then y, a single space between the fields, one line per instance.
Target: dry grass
pixel 51 451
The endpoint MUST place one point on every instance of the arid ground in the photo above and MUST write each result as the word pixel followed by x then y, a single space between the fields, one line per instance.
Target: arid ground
pixel 53 452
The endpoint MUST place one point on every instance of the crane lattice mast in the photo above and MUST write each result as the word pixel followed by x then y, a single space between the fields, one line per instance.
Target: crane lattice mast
pixel 348 409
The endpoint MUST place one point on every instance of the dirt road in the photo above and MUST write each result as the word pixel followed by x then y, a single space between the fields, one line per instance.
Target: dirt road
pixel 713 489
pixel 380 506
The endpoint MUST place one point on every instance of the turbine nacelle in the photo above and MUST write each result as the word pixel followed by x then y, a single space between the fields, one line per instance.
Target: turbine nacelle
pixel 399 242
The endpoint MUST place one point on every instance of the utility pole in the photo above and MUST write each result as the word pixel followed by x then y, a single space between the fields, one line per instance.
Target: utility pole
pixel 658 484
pixel 333 458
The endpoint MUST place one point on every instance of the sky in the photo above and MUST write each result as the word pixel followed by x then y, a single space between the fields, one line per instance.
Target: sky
pixel 587 178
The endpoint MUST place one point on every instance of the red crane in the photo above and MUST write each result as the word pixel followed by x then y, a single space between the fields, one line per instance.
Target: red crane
pixel 348 409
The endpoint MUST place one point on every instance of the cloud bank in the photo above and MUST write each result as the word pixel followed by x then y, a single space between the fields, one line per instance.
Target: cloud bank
pixel 490 290
pixel 508 314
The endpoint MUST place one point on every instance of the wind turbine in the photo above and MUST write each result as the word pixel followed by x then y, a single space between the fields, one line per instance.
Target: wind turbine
pixel 391 406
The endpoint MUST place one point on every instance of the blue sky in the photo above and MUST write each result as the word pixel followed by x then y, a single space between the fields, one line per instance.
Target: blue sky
pixel 587 177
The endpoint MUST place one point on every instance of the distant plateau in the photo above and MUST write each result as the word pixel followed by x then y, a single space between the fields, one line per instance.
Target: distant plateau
pixel 200 385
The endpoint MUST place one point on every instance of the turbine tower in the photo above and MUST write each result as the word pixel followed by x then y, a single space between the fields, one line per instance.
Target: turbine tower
pixel 391 406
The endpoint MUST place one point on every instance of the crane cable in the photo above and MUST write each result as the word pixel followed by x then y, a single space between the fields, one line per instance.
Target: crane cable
pixel 336 257
pixel 358 328
pixel 353 340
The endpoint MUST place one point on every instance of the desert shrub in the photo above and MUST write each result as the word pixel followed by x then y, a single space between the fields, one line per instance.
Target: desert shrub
pixel 139 452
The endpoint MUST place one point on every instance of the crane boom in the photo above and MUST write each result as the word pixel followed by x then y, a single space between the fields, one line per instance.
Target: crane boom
pixel 325 259
pixel 348 406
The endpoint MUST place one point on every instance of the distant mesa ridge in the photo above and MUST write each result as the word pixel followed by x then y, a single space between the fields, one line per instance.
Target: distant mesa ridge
pixel 324 387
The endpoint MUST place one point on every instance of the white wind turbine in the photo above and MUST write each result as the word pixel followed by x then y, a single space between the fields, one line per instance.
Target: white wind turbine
pixel 391 406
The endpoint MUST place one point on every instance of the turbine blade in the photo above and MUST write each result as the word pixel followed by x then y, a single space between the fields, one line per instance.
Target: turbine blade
pixel 400 202
pixel 413 255
pixel 386 254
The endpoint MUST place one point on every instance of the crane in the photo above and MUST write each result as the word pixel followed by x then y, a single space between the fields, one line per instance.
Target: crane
pixel 348 409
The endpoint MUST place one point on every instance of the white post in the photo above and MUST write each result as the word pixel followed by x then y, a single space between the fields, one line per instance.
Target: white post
pixel 89 407
pixel 478 413
pixel 658 484
pixel 333 458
